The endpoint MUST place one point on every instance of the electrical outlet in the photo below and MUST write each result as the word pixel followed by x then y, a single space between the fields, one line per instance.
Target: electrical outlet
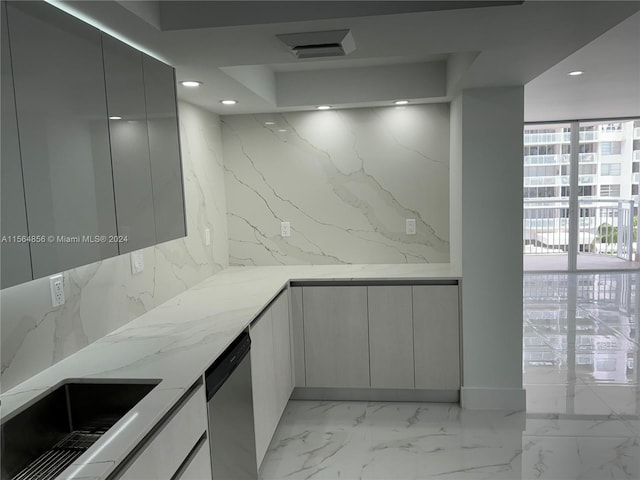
pixel 137 262
pixel 410 226
pixel 56 283
pixel 285 229
pixel 207 236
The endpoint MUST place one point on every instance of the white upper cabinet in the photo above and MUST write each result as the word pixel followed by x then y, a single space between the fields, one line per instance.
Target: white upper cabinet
pixel 164 146
pixel 16 258
pixel 90 145
pixel 129 145
pixel 64 136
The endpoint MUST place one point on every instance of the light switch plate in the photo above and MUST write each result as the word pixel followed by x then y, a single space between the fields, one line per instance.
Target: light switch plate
pixel 410 226
pixel 285 229
pixel 207 236
pixel 56 282
pixel 137 262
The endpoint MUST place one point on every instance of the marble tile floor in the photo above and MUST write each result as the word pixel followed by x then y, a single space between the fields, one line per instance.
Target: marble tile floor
pixel 580 357
pixel 397 441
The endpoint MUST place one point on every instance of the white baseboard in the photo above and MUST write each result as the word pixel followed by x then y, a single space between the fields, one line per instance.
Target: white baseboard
pixel 483 398
pixel 376 394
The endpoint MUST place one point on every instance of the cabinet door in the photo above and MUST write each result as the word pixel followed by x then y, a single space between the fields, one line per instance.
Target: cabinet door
pixel 129 144
pixel 336 336
pixel 436 336
pixel 282 351
pixel 64 139
pixel 297 332
pixel 263 382
pixel 16 258
pixel 164 146
pixel 391 336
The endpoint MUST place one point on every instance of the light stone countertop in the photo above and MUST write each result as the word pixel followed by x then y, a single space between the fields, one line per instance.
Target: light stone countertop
pixel 178 340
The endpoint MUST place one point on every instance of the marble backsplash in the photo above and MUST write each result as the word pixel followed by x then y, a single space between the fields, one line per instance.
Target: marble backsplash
pixel 105 295
pixel 346 180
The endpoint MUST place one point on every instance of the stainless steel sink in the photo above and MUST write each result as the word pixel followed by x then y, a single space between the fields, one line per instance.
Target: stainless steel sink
pixel 45 438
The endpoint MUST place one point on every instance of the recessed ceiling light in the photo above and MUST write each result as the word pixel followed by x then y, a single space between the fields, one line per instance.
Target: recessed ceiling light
pixel 575 73
pixel 228 102
pixel 269 123
pixel 191 83
pixel 401 102
pixel 323 107
pixel 115 117
pixel 282 130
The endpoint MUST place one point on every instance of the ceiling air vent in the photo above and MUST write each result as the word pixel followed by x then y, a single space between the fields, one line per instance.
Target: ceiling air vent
pixel 333 43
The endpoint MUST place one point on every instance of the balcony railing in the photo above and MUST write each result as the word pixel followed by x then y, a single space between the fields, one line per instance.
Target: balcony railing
pixel 542 159
pixel 606 226
pixel 565 137
pixel 565 158
pixel 555 137
pixel 589 135
pixel 546 180
pixel 587 157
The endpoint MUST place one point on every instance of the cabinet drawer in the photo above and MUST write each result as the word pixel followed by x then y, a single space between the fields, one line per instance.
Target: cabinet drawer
pixel 164 454
pixel 199 467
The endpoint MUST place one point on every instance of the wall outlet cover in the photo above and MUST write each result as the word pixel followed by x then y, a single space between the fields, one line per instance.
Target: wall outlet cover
pixel 285 229
pixel 410 226
pixel 137 262
pixel 56 283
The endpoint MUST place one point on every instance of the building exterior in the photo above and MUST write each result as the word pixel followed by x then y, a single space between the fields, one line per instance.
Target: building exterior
pixel 607 186
pixel 609 160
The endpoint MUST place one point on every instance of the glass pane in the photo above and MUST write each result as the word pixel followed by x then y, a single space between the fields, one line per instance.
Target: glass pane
pixel 547 150
pixel 608 194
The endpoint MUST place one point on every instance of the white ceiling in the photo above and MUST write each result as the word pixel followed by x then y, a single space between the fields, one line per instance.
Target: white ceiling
pixel 425 55
pixel 609 88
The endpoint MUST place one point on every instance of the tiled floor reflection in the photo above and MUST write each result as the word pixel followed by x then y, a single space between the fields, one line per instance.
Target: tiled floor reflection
pixel 580 343
pixel 582 420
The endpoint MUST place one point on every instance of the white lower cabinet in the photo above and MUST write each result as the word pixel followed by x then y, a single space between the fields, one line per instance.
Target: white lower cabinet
pixel 391 336
pixel 297 340
pixel 377 336
pixel 199 467
pixel 282 351
pixel 263 382
pixel 436 325
pixel 163 455
pixel 336 336
pixel 271 370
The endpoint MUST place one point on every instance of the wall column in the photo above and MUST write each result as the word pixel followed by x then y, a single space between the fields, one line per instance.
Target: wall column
pixel 488 124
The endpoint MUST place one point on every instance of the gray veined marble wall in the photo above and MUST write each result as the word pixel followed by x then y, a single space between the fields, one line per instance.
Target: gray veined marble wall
pixel 346 180
pixel 104 296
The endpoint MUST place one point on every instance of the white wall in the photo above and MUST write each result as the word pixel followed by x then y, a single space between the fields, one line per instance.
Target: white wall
pixel 491 225
pixel 104 296
pixel 346 180
pixel 455 184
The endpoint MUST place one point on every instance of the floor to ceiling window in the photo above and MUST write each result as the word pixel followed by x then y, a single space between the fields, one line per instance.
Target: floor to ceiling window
pixel 547 151
pixel 581 195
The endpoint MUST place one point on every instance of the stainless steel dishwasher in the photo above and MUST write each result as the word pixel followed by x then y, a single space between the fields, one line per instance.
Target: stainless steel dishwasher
pixel 230 409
